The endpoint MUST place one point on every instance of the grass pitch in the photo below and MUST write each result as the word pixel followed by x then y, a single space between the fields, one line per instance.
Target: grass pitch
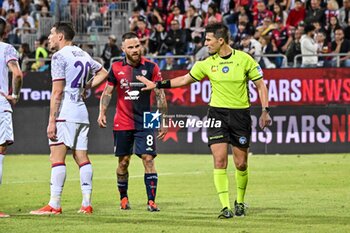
pixel 297 193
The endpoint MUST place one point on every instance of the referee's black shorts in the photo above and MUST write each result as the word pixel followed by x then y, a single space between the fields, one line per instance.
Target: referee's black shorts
pixel 236 126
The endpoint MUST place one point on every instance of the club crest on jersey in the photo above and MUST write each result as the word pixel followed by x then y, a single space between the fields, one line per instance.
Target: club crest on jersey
pixel 143 72
pixel 124 83
pixel 225 69
pixel 132 95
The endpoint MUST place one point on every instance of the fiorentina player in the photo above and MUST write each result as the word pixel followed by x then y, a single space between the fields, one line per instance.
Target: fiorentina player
pixel 8 60
pixel 128 125
pixel 68 121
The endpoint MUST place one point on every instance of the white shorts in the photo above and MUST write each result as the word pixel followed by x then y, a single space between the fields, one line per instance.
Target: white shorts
pixel 73 135
pixel 6 129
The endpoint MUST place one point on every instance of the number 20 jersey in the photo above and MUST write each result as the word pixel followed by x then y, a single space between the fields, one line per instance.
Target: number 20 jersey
pixel 73 65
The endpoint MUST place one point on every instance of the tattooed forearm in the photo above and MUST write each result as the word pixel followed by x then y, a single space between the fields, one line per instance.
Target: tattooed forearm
pixel 161 101
pixel 105 100
pixel 17 76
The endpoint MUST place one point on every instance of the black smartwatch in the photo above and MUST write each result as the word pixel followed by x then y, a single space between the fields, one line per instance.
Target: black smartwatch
pixel 266 109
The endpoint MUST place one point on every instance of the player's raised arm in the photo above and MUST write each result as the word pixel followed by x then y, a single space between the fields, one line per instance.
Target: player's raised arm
pixel 99 77
pixel 17 81
pixel 172 83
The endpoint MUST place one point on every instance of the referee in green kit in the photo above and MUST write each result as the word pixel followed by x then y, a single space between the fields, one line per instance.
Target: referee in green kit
pixel 229 71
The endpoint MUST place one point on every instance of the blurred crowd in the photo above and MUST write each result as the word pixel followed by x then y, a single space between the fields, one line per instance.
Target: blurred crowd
pixel 288 27
pixel 283 28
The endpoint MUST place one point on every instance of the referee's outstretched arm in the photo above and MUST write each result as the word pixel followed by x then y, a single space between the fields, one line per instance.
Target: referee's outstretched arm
pixel 172 83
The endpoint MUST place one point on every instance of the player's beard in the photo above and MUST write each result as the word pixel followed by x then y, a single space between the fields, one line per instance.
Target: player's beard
pixel 132 59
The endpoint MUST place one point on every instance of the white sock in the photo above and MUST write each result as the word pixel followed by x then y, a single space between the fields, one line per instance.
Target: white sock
pixel 86 183
pixel 1 159
pixel 58 177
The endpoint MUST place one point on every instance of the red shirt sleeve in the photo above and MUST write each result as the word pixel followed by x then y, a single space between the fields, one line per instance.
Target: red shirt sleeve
pixel 156 75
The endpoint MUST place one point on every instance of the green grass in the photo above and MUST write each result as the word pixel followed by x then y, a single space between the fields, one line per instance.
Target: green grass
pixel 304 193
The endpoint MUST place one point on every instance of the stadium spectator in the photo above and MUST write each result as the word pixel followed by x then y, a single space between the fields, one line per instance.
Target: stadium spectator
pixel 344 14
pixel 315 13
pixel 26 5
pixel 341 45
pixel 41 53
pixel 110 50
pixel 229 100
pixel 331 11
pixel 294 48
pixel 25 17
pixel 136 13
pixel 155 17
pixel 296 15
pixel 279 14
pixel 11 5
pixel 281 37
pixel 242 30
pixel 261 13
pixel 128 121
pixel 251 46
pixel 266 28
pixel 143 33
pixel 8 62
pixel 25 53
pixel 171 63
pixel 158 41
pixel 212 15
pixel 309 47
pixel 68 119
pixel 177 39
pixel 323 47
pixel 175 15
pixel 266 48
pixel 200 52
pixel 333 25
pixel 193 23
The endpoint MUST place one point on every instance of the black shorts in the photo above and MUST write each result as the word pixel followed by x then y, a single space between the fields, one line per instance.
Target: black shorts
pixel 236 126
pixel 144 140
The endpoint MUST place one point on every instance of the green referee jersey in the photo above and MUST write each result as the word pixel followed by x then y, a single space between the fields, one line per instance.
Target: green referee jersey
pixel 229 78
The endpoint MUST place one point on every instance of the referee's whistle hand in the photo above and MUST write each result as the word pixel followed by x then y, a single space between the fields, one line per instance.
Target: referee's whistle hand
pixel 265 120
pixel 149 84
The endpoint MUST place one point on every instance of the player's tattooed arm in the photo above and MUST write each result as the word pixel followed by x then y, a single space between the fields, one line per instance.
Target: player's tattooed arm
pixel 17 76
pixel 17 80
pixel 161 101
pixel 55 104
pixel 56 99
pixel 104 102
pixel 163 108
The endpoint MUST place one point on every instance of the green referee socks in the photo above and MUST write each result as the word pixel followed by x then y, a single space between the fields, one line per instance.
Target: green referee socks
pixel 241 183
pixel 221 185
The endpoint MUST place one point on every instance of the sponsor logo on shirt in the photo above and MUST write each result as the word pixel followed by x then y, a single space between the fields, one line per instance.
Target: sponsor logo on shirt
pixel 214 68
pixel 132 95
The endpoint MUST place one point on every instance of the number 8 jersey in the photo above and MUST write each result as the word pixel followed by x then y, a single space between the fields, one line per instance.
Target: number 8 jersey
pixel 73 65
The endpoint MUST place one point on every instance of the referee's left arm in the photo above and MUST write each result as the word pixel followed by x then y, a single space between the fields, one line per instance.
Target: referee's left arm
pixel 265 119
pixel 263 94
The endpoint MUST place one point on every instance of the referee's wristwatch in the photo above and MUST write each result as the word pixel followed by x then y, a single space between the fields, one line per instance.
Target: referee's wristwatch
pixel 266 109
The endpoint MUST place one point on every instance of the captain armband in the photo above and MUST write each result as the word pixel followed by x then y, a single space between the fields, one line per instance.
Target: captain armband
pixel 163 84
